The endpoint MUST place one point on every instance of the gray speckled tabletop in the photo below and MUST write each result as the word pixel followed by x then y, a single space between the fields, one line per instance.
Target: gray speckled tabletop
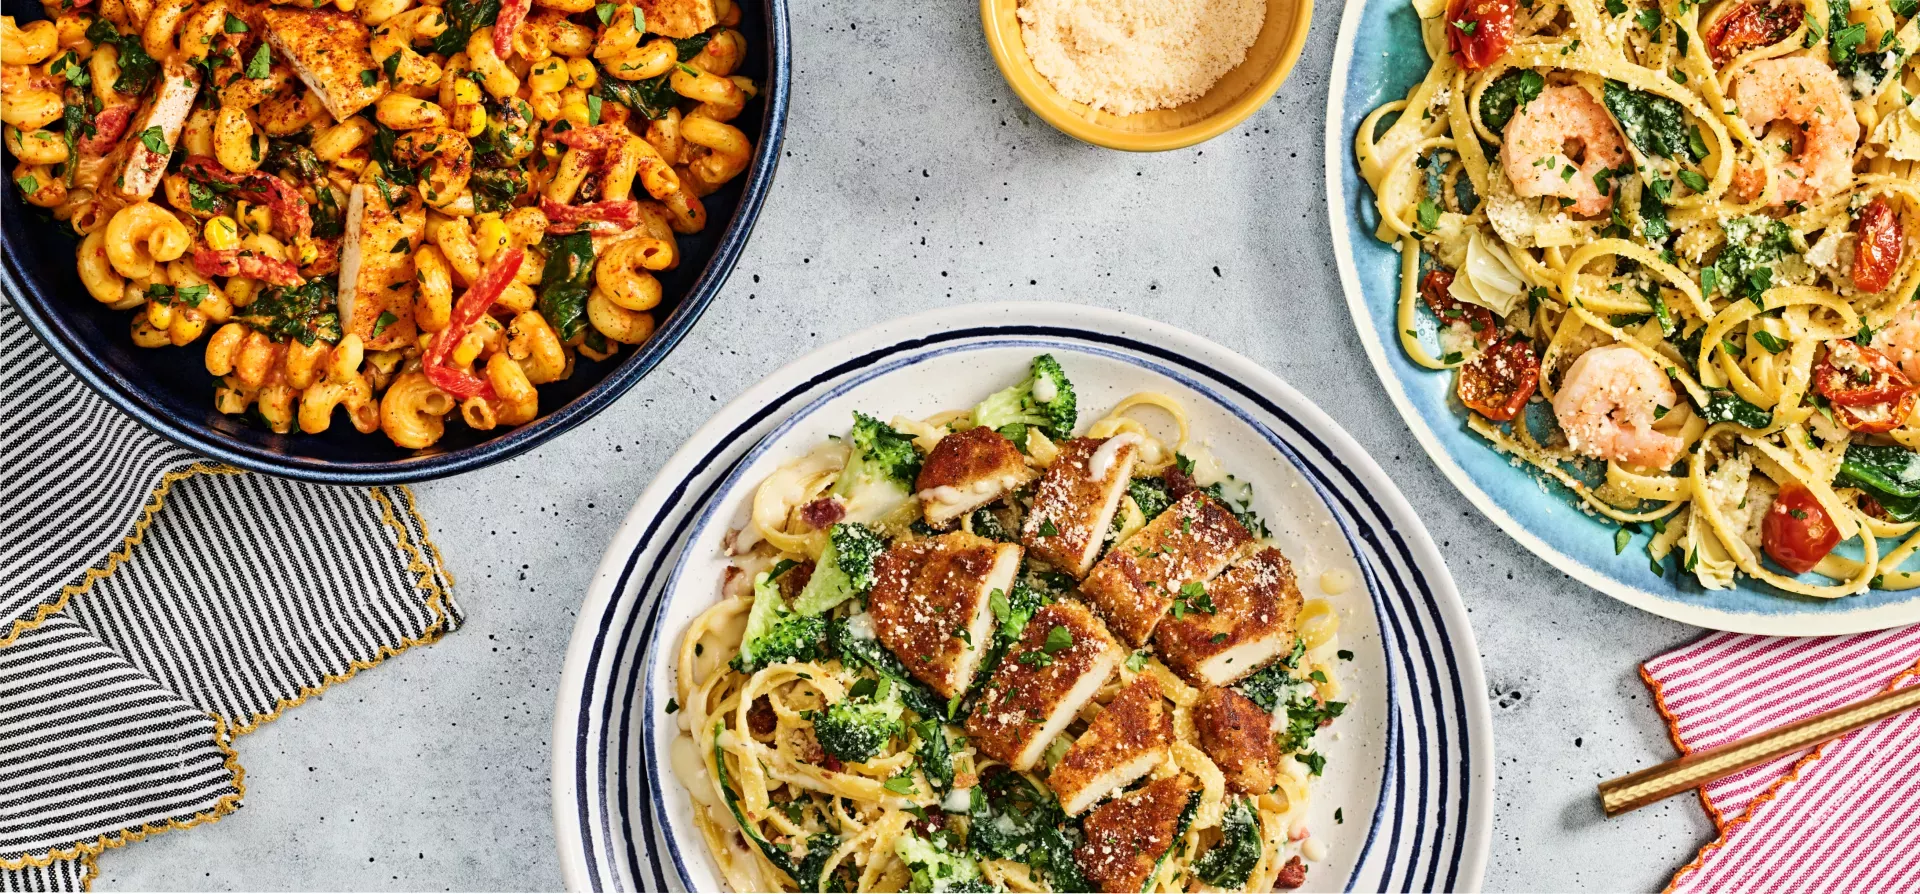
pixel 913 178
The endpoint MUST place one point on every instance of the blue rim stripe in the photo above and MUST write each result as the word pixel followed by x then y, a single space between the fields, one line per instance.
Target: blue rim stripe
pixel 1392 632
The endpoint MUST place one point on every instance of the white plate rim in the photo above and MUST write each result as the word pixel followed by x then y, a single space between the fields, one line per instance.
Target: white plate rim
pixel 572 731
pixel 1339 147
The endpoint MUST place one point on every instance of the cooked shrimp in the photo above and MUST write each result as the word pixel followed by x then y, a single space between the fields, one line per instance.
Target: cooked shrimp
pixel 1555 145
pixel 1607 406
pixel 1813 129
pixel 1900 341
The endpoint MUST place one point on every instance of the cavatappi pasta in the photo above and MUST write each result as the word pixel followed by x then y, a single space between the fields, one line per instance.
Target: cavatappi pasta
pixel 844 706
pixel 402 208
pixel 1686 229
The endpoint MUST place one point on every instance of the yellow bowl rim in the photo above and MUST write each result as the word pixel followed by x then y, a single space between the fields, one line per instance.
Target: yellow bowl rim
pixel 1027 83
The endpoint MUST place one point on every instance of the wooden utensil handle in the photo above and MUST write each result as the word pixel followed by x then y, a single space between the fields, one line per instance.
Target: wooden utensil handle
pixel 1691 771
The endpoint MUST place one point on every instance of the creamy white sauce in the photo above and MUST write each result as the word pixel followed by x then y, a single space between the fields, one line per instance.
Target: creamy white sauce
pixel 1043 390
pixel 690 769
pixel 1335 581
pixel 1101 463
pixel 1313 849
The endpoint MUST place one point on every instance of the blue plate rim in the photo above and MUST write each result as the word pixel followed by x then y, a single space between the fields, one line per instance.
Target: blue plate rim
pixel 581 805
pixel 37 305
pixel 1673 605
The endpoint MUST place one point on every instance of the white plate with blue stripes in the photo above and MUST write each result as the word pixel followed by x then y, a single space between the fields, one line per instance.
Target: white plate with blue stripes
pixel 1409 766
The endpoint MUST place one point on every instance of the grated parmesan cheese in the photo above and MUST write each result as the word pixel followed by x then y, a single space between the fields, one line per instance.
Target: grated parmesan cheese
pixel 1128 56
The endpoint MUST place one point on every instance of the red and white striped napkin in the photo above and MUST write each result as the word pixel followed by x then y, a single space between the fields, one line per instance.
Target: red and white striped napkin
pixel 1838 818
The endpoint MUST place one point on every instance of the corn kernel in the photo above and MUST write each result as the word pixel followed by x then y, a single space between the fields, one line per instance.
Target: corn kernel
pixel 469 348
pixel 465 92
pixel 309 252
pixel 256 218
pixel 583 74
pixel 493 238
pixel 576 113
pixel 222 233
pixel 548 76
pixel 476 121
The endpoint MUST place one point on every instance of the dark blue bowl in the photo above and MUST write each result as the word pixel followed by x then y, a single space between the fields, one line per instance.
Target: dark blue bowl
pixel 169 391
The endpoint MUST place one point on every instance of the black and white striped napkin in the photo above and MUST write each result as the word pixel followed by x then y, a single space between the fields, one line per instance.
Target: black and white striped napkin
pixel 155 605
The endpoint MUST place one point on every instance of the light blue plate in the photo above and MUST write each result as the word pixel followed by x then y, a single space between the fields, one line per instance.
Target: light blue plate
pixel 1546 520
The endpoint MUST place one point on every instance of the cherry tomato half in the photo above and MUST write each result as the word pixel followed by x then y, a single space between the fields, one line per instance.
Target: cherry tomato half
pixel 1478 31
pixel 1854 375
pixel 1876 253
pixel 1498 383
pixel 1433 290
pixel 1797 533
pixel 1749 26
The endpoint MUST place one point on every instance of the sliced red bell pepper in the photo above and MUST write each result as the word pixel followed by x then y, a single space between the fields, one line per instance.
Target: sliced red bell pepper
pixel 478 299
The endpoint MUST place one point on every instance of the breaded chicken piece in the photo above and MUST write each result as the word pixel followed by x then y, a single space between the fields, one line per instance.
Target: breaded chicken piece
pixel 1060 661
pixel 1128 739
pixel 931 604
pixel 679 18
pixel 136 168
pixel 328 49
pixel 376 280
pixel 1256 602
pixel 968 470
pixel 1238 736
pixel 1127 836
pixel 1075 502
pixel 1189 543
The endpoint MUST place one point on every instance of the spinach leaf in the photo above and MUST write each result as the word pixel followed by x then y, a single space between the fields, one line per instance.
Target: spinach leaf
pixel 1268 686
pixel 1151 495
pixel 302 313
pixel 78 121
pixel 1725 406
pixel 464 17
pixel 779 857
pixel 1509 94
pixel 299 164
pixel 689 47
pixel 1653 122
pixel 1228 863
pixel 856 652
pixel 496 186
pixel 1753 243
pixel 137 69
pixel 1013 820
pixel 1885 470
pixel 651 99
pixel 382 152
pixel 565 283
pixel 935 752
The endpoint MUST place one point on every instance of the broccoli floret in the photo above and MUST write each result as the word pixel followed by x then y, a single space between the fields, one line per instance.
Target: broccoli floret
pixel 1044 399
pixel 880 472
pixel 986 523
pixel 939 863
pixel 775 634
pixel 845 568
pixel 1228 863
pixel 858 727
pixel 814 864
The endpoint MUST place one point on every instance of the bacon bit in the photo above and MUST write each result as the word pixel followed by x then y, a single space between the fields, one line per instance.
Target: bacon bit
pixel 935 821
pixel 823 512
pixel 1179 483
pixel 832 764
pixel 478 299
pixel 230 262
pixel 616 216
pixel 795 580
pixel 108 127
pixel 512 14
pixel 761 720
pixel 291 219
pixel 1292 875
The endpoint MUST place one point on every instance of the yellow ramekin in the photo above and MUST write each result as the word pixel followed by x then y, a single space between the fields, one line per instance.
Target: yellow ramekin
pixel 1236 96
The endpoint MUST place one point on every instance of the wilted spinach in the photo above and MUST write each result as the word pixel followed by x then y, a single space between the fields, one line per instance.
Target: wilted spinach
pixel 566 282
pixel 1509 94
pixel 302 313
pixel 1725 406
pixel 464 17
pixel 1653 122
pixel 137 69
